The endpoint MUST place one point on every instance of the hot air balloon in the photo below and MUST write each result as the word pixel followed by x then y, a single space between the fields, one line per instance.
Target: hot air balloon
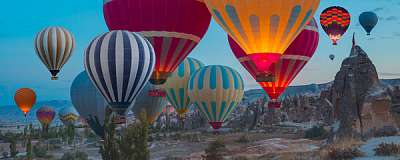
pixel 335 21
pixel 54 47
pixel 45 115
pixel 119 63
pixel 290 64
pixel 174 28
pixel 176 85
pixel 89 102
pixel 68 116
pixel 150 104
pixel 216 90
pixel 264 29
pixel 25 98
pixel 332 57
pixel 368 21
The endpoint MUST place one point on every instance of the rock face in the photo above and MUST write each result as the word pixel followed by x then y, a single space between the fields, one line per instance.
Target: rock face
pixel 395 108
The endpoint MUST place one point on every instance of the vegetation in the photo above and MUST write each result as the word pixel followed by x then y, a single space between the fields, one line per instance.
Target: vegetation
pixel 344 153
pixel 387 149
pixel 243 139
pixel 215 150
pixel 109 150
pixel 40 150
pixel 29 154
pixel 13 147
pixel 386 131
pixel 316 133
pixel 75 156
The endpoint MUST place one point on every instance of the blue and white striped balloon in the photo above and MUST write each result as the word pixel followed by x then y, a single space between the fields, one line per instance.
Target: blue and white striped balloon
pixel 119 63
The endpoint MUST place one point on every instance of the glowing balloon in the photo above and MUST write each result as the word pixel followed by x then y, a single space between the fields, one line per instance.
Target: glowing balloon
pixel 216 90
pixel 68 115
pixel 173 27
pixel 119 63
pixel 89 102
pixel 176 85
pixel 25 98
pixel 290 64
pixel 368 21
pixel 151 104
pixel 335 21
pixel 263 28
pixel 54 46
pixel 45 115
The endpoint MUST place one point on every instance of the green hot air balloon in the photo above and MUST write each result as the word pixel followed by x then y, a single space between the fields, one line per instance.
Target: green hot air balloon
pixel 216 90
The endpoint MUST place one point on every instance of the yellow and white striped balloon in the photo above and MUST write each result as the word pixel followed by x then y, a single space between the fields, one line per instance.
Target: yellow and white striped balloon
pixel 54 46
pixel 216 90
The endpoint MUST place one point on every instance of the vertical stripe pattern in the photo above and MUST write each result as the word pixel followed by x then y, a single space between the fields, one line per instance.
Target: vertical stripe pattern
pixel 216 90
pixel 176 85
pixel 119 63
pixel 54 46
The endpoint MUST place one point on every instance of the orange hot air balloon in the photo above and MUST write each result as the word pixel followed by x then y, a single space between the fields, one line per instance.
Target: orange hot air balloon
pixel 25 98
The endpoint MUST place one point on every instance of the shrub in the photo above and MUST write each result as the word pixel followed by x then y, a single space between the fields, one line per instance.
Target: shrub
pixel 316 132
pixel 39 150
pixel 386 131
pixel 387 149
pixel 243 139
pixel 75 156
pixel 5 154
pixel 344 153
pixel 215 150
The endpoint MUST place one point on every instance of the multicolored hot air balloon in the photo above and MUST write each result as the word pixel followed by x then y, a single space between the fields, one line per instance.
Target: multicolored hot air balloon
pixel 176 85
pixel 68 116
pixel 263 28
pixel 89 102
pixel 119 63
pixel 368 21
pixel 25 98
pixel 216 90
pixel 151 104
pixel 54 46
pixel 45 115
pixel 290 64
pixel 174 28
pixel 335 21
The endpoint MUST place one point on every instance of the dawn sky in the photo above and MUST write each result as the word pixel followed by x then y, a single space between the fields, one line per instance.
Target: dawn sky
pixel 20 20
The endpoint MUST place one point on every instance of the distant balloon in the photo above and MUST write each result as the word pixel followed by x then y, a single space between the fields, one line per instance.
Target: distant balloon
pixel 152 105
pixel 173 27
pixel 25 98
pixel 216 90
pixel 288 67
pixel 89 102
pixel 119 63
pixel 54 46
pixel 68 116
pixel 45 115
pixel 176 85
pixel 368 21
pixel 332 57
pixel 335 21
pixel 264 29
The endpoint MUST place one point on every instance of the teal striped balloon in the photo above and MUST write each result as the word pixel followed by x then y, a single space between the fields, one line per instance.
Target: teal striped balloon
pixel 216 90
pixel 176 85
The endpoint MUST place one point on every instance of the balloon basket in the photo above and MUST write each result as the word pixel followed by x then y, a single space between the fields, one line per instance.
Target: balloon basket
pixel 54 78
pixel 216 125
pixel 274 105
pixel 157 93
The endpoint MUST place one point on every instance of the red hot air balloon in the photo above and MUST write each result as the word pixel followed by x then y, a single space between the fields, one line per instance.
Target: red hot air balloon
pixel 290 64
pixel 174 28
pixel 335 21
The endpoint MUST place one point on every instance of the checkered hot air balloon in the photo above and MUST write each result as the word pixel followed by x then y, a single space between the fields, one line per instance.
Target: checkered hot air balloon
pixel 335 21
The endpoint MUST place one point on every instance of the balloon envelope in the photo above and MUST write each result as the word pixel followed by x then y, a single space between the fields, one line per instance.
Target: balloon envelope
pixel 119 63
pixel 332 57
pixel 25 98
pixel 176 85
pixel 89 102
pixel 174 27
pixel 216 90
pixel 152 105
pixel 263 28
pixel 68 115
pixel 45 115
pixel 335 21
pixel 368 21
pixel 54 46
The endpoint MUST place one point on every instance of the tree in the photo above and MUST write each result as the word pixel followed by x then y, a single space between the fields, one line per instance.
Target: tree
pixel 109 150
pixel 215 150
pixel 13 147
pixel 29 154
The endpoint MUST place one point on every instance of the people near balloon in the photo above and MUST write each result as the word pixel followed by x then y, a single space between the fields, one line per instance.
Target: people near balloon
pixel 54 46
pixel 45 115
pixel 335 21
pixel 151 105
pixel 246 23
pixel 216 90
pixel 119 63
pixel 68 116
pixel 173 27
pixel 89 102
pixel 176 86
pixel 25 98
pixel 368 21
pixel 288 67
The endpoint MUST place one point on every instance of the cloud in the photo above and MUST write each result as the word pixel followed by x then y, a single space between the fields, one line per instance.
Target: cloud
pixel 378 9
pixel 392 18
